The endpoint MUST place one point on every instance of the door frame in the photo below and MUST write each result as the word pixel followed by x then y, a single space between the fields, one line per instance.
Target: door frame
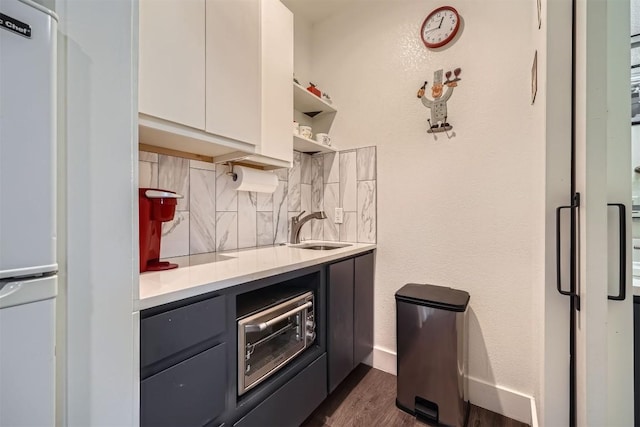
pixel 602 154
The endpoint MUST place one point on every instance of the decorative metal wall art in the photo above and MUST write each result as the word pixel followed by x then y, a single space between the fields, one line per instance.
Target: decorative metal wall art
pixel 438 105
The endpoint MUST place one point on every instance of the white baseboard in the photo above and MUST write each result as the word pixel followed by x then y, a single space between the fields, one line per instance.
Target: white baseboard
pixel 493 397
pixel 500 400
pixel 534 413
pixel 384 359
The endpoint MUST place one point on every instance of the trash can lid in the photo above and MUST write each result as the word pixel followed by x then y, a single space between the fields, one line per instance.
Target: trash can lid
pixel 434 296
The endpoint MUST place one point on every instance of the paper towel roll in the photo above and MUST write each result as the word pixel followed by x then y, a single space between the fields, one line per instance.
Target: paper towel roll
pixel 249 179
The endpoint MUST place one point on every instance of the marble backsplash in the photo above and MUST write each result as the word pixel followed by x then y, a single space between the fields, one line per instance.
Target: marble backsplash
pixel 213 217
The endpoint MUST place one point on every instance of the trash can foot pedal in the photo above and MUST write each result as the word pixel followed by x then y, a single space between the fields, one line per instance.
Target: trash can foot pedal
pixel 426 410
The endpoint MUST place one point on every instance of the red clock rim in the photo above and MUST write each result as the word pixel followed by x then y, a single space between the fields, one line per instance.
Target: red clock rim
pixel 448 39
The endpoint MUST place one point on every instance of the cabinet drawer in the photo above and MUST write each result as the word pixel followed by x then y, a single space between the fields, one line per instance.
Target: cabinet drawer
pixel 170 332
pixel 191 393
pixel 292 403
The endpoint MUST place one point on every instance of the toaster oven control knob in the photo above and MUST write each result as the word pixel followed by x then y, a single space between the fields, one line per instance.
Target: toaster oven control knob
pixel 311 325
pixel 311 336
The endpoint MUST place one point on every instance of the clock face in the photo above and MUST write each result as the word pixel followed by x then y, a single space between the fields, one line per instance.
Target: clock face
pixel 440 27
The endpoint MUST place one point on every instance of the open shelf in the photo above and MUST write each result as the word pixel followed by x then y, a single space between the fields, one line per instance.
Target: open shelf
pixel 310 110
pixel 306 102
pixel 306 145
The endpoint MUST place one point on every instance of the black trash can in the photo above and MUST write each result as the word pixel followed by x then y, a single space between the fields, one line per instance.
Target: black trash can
pixel 432 345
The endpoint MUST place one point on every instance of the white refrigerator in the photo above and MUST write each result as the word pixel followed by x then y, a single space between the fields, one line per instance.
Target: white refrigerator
pixel 28 267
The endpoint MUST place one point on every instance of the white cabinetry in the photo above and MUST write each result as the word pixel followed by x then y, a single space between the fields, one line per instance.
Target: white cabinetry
pixel 233 69
pixel 215 79
pixel 277 72
pixel 172 61
pixel 276 94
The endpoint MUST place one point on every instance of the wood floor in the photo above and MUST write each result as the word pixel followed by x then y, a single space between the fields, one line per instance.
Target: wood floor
pixel 367 398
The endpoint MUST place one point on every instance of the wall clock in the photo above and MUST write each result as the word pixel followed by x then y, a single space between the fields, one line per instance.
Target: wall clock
pixel 440 27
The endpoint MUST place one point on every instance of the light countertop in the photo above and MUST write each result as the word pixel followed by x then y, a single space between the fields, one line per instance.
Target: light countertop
pixel 199 274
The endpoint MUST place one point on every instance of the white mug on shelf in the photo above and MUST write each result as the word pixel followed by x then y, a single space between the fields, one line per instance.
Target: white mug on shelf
pixel 305 132
pixel 323 138
pixel 296 128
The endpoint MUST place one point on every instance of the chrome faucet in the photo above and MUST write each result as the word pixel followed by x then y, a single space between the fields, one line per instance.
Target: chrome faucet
pixel 297 223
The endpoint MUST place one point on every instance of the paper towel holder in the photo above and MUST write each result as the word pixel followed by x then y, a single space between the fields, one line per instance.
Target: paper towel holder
pixel 246 178
pixel 231 173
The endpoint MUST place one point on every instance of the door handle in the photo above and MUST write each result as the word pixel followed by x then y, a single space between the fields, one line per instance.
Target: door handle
pixel 623 253
pixel 575 205
pixel 10 288
pixel 258 327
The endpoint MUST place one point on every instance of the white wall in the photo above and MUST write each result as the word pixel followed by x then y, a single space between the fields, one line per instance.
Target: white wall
pixel 464 210
pixel 302 50
pixel 98 144
pixel 635 177
pixel 635 130
pixel 552 316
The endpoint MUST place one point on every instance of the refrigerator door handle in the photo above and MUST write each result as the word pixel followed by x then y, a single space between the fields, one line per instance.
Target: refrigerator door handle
pixel 10 288
pixel 27 290
pixel 575 205
pixel 623 252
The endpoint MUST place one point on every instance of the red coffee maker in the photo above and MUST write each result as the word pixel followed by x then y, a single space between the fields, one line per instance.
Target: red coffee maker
pixel 156 206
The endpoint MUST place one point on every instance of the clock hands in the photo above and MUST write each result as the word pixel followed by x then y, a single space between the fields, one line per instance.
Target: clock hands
pixel 428 30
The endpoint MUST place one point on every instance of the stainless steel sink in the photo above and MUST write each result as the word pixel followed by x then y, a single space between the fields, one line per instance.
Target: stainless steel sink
pixel 321 246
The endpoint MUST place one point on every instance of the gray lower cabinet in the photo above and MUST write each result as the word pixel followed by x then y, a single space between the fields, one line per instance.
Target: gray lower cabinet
pixel 349 315
pixel 340 321
pixel 183 363
pixel 292 403
pixel 363 308
pixel 188 351
pixel 191 393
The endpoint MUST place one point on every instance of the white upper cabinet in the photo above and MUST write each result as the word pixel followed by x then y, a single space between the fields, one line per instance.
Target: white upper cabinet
pixel 249 73
pixel 172 61
pixel 215 79
pixel 277 75
pixel 233 69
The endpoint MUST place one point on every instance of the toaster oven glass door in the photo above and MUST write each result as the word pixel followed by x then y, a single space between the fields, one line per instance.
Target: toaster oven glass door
pixel 268 339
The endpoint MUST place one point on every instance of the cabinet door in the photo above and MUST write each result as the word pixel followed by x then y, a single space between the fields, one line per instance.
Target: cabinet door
pixel 191 393
pixel 233 69
pixel 363 308
pixel 172 61
pixel 340 322
pixel 277 72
